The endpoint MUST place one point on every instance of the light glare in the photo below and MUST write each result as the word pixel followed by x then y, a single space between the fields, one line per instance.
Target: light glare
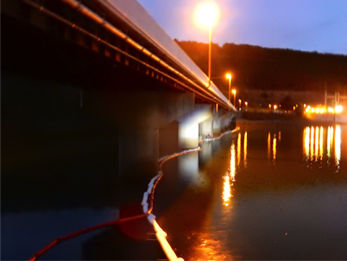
pixel 338 109
pixel 207 14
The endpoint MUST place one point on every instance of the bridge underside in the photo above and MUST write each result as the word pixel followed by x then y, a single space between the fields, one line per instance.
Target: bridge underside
pixel 74 114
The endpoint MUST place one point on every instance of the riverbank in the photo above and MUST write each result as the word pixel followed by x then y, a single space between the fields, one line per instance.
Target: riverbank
pixel 281 117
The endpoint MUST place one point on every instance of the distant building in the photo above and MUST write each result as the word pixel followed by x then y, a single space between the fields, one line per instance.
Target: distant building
pixel 265 97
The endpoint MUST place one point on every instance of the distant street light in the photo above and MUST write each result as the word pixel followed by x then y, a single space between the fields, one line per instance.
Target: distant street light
pixel 246 103
pixel 207 15
pixel 229 76
pixel 234 92
pixel 240 103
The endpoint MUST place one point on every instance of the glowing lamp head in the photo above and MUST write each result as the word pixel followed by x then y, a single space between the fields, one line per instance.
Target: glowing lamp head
pixel 207 14
pixel 338 109
pixel 233 91
pixel 228 76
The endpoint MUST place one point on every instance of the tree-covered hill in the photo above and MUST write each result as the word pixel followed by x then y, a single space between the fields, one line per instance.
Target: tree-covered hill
pixel 255 67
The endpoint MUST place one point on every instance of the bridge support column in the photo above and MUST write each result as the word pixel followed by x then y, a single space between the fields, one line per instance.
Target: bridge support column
pixel 188 135
pixel 146 120
pixel 223 121
pixel 216 126
pixel 188 131
pixel 205 127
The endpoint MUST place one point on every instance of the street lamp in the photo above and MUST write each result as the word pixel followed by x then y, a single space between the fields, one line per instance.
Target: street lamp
pixel 229 76
pixel 207 15
pixel 234 92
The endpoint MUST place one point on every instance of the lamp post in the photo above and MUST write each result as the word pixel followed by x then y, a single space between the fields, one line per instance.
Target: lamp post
pixel 234 92
pixel 209 53
pixel 206 15
pixel 229 76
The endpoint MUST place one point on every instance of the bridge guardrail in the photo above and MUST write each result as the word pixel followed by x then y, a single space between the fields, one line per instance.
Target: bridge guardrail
pixel 188 79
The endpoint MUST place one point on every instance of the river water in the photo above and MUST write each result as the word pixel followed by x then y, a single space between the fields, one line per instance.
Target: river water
pixel 269 191
pixel 276 191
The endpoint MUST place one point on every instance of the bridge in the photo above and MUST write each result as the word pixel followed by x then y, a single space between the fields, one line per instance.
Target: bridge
pixel 99 79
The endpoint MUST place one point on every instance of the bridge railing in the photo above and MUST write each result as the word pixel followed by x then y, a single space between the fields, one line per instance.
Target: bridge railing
pixel 138 18
pixel 148 48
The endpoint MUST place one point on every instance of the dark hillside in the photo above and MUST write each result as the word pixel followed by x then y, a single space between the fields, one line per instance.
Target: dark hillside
pixel 260 68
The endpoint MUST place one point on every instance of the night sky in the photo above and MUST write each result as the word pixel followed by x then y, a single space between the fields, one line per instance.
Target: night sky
pixel 306 25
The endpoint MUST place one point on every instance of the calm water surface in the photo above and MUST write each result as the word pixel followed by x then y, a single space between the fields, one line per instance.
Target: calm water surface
pixel 270 191
pixel 278 192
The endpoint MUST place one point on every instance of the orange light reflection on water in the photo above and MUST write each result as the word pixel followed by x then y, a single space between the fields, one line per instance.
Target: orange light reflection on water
pixel 337 147
pixel 232 168
pixel 330 137
pixel 245 150
pixel 269 145
pixel 311 143
pixel 238 149
pixel 274 148
pixel 314 144
pixel 272 145
pixel 307 142
pixel 229 176
pixel 226 190
pixel 210 249
pixel 321 142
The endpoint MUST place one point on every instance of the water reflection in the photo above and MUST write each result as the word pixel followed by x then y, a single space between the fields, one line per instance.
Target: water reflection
pixel 274 149
pixel 245 150
pixel 272 144
pixel 330 140
pixel 318 143
pixel 321 144
pixel 229 176
pixel 321 147
pixel 210 249
pixel 307 142
pixel 314 144
pixel 337 147
pixel 232 168
pixel 311 143
pixel 226 190
pixel 236 157
pixel 239 149
pixel 255 206
pixel 269 145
